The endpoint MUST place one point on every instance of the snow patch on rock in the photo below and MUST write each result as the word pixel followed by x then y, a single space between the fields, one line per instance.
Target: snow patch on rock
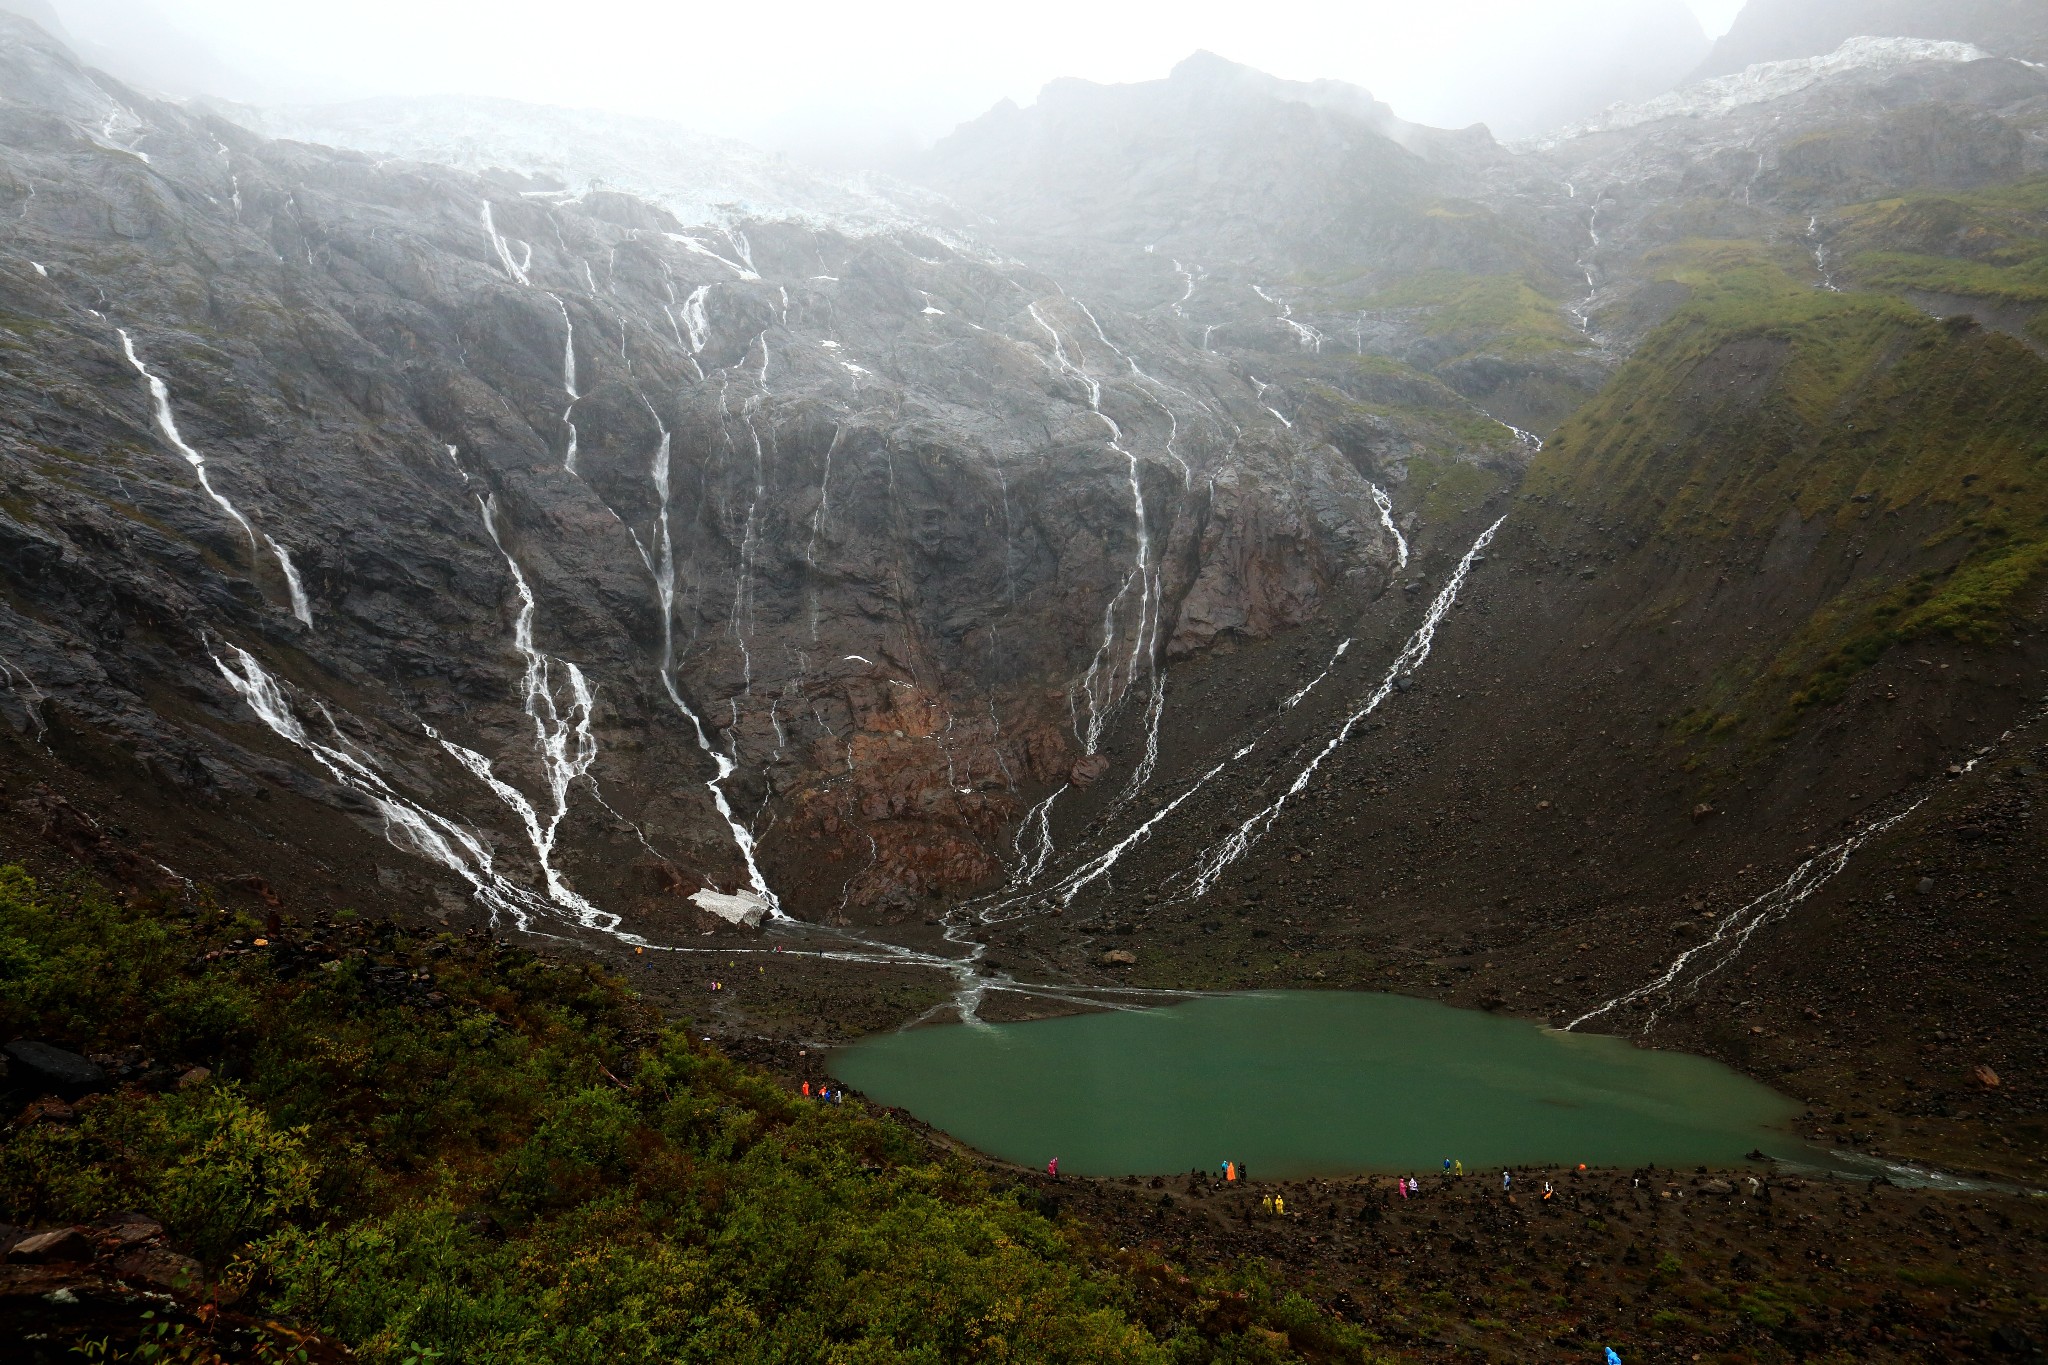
pixel 745 908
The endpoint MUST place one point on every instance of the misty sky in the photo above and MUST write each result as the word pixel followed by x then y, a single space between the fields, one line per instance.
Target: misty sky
pixel 803 70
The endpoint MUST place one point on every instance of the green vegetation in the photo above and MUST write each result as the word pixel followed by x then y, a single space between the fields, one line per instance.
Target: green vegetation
pixel 1991 244
pixel 441 1149
pixel 1767 1306
pixel 1764 404
pixel 1450 489
pixel 1498 315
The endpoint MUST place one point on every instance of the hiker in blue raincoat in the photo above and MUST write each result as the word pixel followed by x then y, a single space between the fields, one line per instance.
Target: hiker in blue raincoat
pixel 1612 1358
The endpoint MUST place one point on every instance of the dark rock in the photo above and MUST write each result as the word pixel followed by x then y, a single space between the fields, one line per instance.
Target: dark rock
pixel 48 1248
pixel 161 1268
pixel 54 1069
pixel 122 1232
pixel 1925 887
pixel 2011 1339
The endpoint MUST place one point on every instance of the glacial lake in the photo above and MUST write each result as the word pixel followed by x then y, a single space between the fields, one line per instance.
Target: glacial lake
pixel 1300 1083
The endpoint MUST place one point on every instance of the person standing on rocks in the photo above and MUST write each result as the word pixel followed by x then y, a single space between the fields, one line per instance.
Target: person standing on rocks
pixel 1052 1168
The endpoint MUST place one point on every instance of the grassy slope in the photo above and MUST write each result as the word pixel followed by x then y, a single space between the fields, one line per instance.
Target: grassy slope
pixel 1991 244
pixel 1496 315
pixel 433 1148
pixel 1763 394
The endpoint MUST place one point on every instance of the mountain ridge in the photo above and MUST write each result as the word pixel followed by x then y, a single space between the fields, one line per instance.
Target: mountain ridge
pixel 1779 30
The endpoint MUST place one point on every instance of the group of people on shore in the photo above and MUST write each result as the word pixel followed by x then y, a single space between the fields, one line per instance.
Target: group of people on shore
pixel 1233 1172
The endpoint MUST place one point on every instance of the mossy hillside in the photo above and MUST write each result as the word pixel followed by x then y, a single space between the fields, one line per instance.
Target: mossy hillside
pixel 432 1148
pixel 1448 490
pixel 1495 315
pixel 1763 396
pixel 1421 407
pixel 1990 244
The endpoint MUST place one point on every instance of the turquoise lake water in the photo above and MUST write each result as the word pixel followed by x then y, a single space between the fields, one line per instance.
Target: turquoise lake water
pixel 1315 1083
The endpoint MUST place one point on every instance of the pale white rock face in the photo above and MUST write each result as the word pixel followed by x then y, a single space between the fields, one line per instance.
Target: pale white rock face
pixel 744 908
pixel 1768 81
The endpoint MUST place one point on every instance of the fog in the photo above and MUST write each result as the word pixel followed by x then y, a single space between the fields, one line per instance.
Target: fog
pixel 856 81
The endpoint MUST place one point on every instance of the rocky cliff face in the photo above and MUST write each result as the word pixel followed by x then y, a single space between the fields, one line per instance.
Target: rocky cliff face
pixel 570 547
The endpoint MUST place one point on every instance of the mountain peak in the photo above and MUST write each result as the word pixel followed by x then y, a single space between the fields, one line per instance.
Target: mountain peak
pixel 1202 65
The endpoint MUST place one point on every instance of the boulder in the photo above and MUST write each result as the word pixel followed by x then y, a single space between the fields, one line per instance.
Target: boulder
pixel 53 1069
pixel 2011 1339
pixel 743 909
pixel 161 1269
pixel 1119 957
pixel 125 1231
pixel 1090 770
pixel 58 1244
